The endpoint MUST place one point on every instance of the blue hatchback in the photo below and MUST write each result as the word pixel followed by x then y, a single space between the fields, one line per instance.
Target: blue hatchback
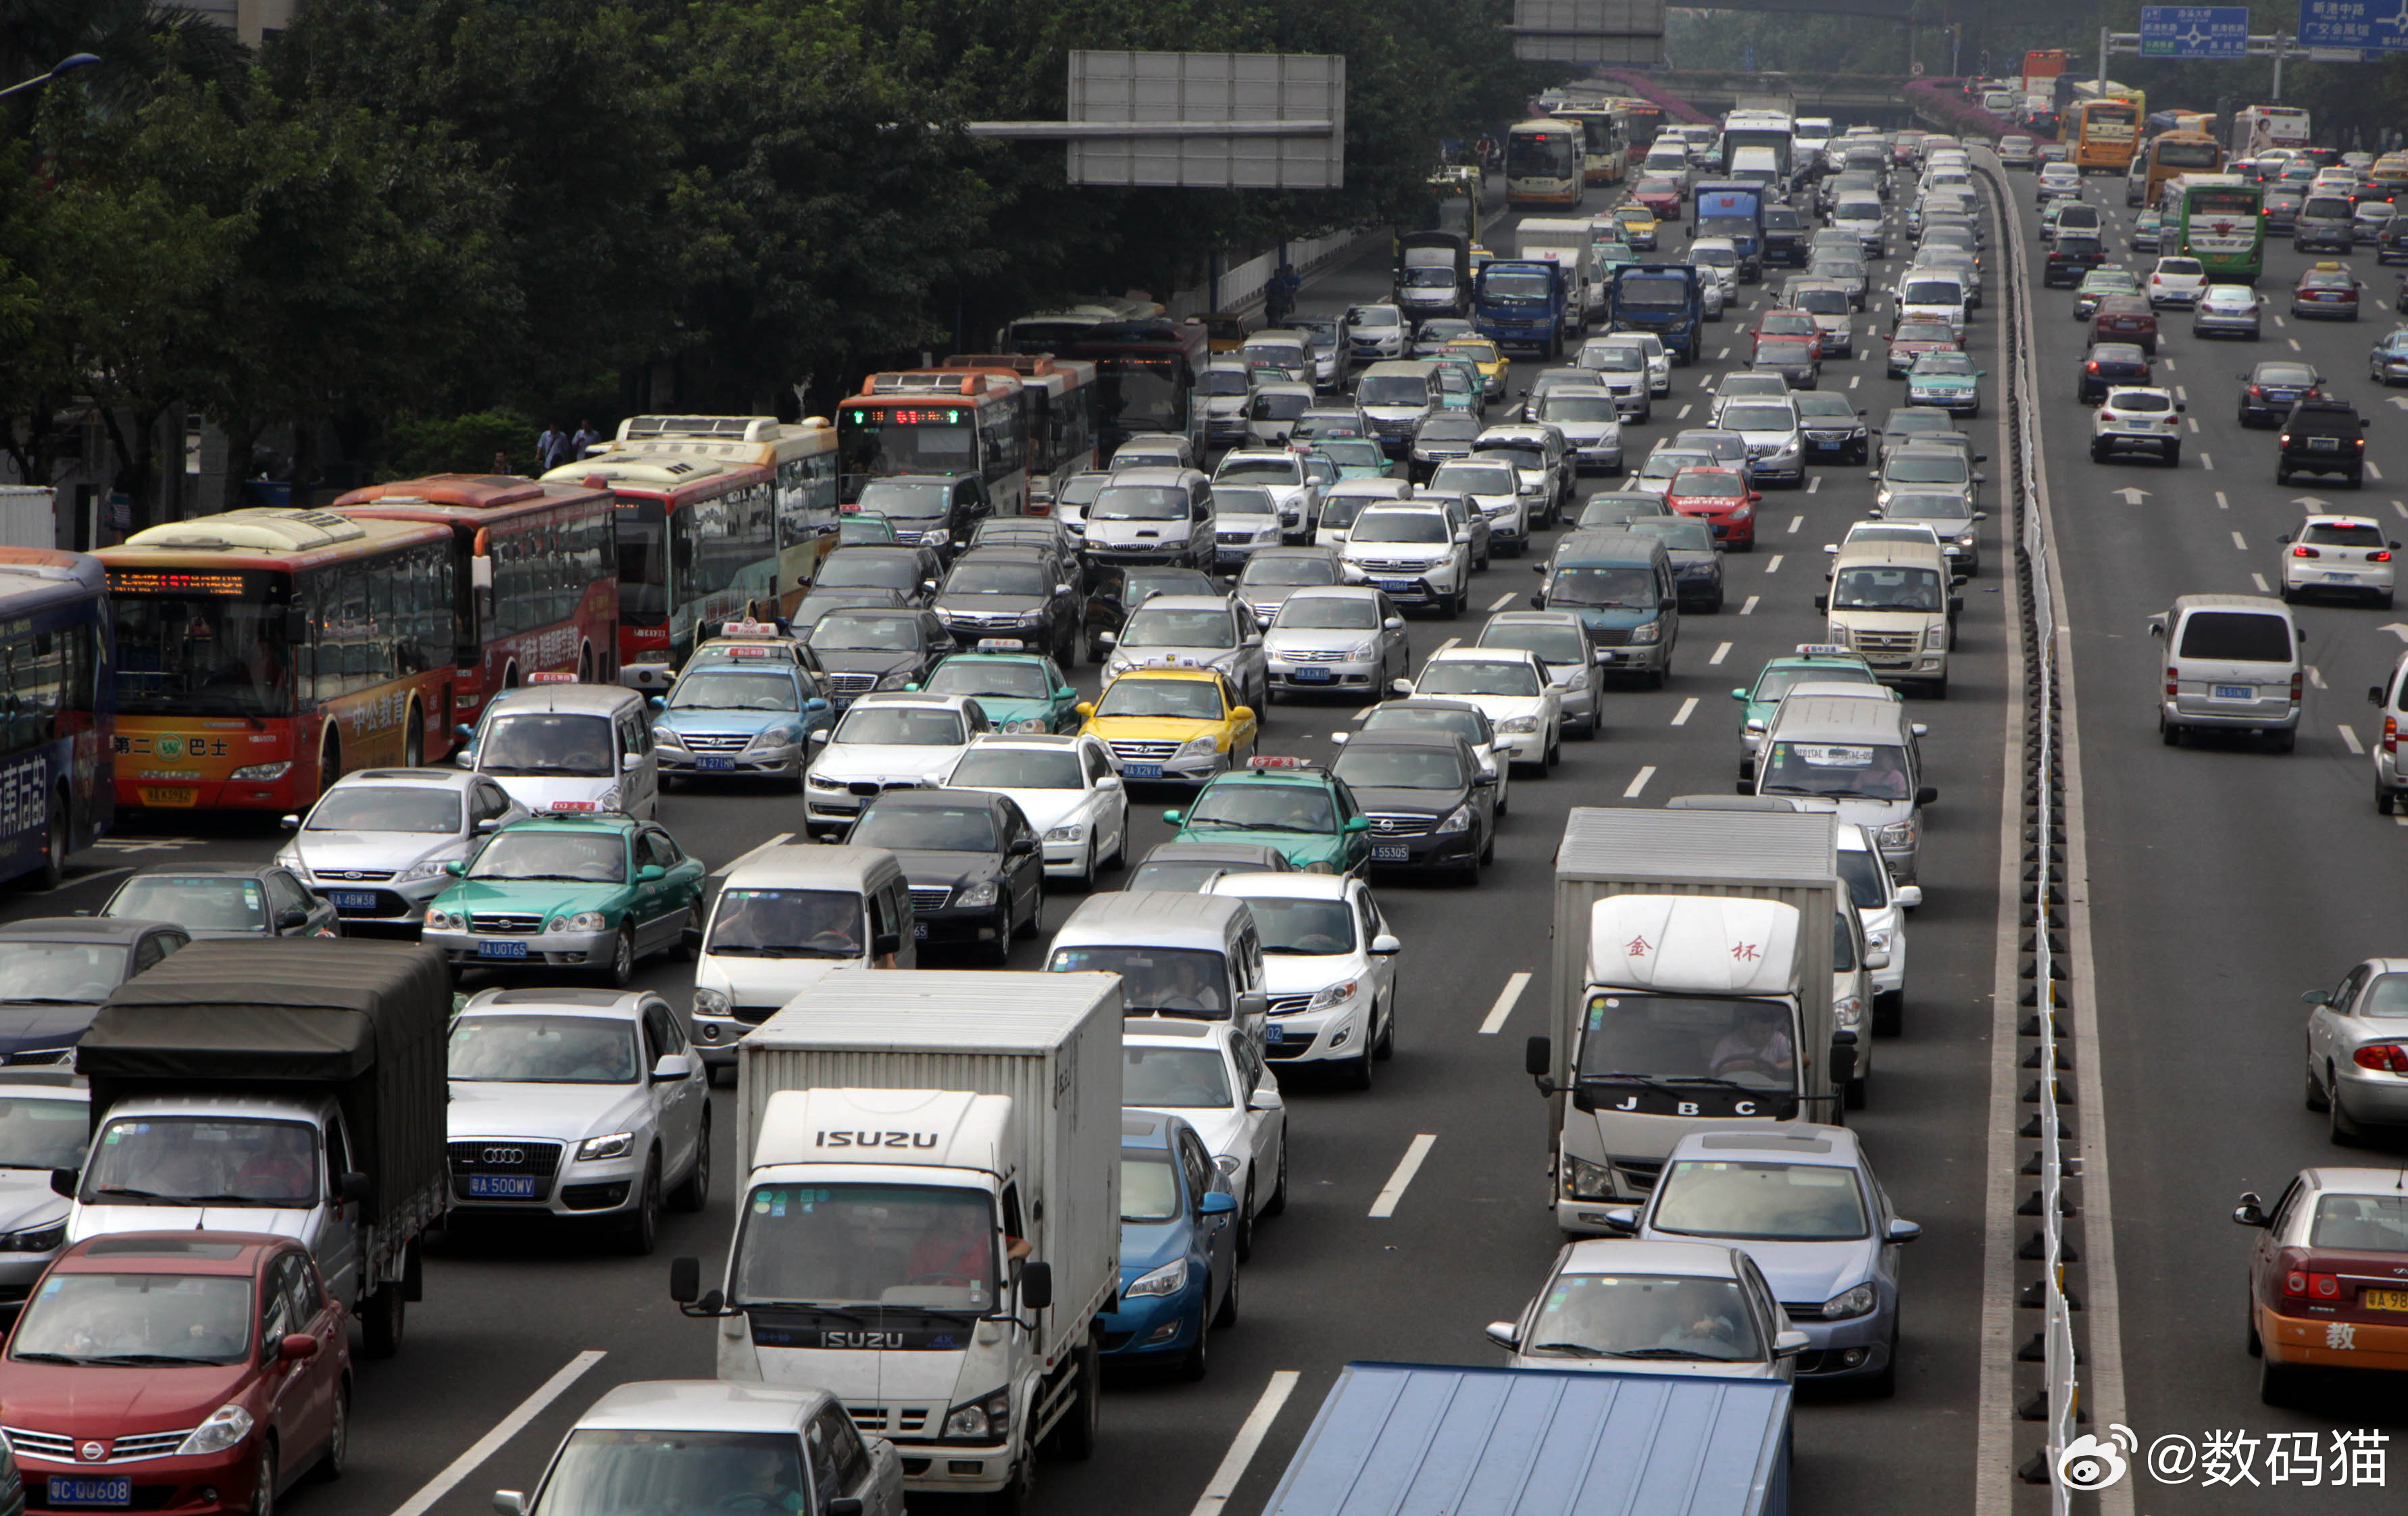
pixel 1179 1261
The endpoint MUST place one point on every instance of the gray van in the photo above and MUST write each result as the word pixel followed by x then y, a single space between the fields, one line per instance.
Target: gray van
pixel 1861 755
pixel 1622 587
pixel 1198 956
pixel 1396 396
pixel 2323 223
pixel 2232 663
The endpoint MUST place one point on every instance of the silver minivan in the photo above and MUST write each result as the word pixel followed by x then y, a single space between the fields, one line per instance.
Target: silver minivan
pixel 1861 755
pixel 568 747
pixel 785 913
pixel 1198 956
pixel 2232 663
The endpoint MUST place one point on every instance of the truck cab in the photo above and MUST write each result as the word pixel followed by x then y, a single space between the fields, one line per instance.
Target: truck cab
pixel 1666 299
pixel 1522 303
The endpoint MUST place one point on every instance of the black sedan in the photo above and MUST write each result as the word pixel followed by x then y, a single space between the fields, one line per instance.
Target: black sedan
pixel 1431 807
pixel 1190 867
pixel 56 971
pixel 226 900
pixel 975 866
pixel 913 572
pixel 1833 427
pixel 2268 391
pixel 1791 357
pixel 877 650
pixel 2111 364
pixel 1012 592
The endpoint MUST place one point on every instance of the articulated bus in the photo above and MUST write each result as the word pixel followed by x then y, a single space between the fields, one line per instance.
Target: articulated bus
pixel 2218 219
pixel 1057 415
pixel 261 653
pixel 1544 163
pixel 697 546
pixel 800 458
pixel 58 742
pixel 2163 157
pixel 1606 141
pixel 942 421
pixel 538 564
pixel 1146 374
pixel 2105 133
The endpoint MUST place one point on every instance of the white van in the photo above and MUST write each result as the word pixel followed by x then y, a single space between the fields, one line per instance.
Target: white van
pixel 1894 605
pixel 2232 663
pixel 1932 294
pixel 1197 956
pixel 568 747
pixel 782 916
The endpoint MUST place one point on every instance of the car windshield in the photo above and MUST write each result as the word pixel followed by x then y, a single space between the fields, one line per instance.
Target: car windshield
pixel 1170 982
pixel 1393 389
pixel 542 854
pixel 902 727
pixel 2285 375
pixel 1260 471
pixel 820 605
pixel 1255 807
pixel 786 923
pixel 58 973
pixel 1186 1077
pixel 1664 465
pixel 2141 400
pixel 1019 768
pixel 610 1469
pixel 912 500
pixel 1224 381
pixel 543 1049
pixel 859 568
pixel 1674 1037
pixel 1722 257
pixel 989 677
pixel 1606 588
pixel 2237 636
pixel 1934 468
pixel 732 690
pixel 1763 1202
pixel 1782 350
pixel 1612 358
pixel 386 808
pixel 1370 766
pixel 1372 316
pixel 203 1161
pixel 1617 509
pixel 1759 418
pixel 1952 363
pixel 1300 927
pixel 1644 1316
pixel 1822 302
pixel 546 742
pixel 2361 1224
pixel 1498 676
pixel 1192 699
pixel 136 1319
pixel 1239 500
pixel 1141 503
pixel 1407 526
pixel 861 633
pixel 1281 572
pixel 856 531
pixel 198 902
pixel 43 1133
pixel 1552 642
pixel 1922 331
pixel 926 828
pixel 1710 484
pixel 1163 626
pixel 2331 534
pixel 1353 452
pixel 1679 534
pixel 1481 479
pixel 2185 267
pixel 1327 613
pixel 972 577
pixel 924 1247
pixel 1785 324
pixel 1927 292
pixel 1578 409
pixel 1836 770
pixel 1942 507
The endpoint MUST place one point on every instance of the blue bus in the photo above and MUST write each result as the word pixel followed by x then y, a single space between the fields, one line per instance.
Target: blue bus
pixel 58 710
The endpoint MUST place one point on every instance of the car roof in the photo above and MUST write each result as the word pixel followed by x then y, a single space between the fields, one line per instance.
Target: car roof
pixel 1157 475
pixel 702 1406
pixel 1840 719
pixel 120 930
pixel 2315 518
pixel 932 799
pixel 1535 618
pixel 1795 1142
pixel 800 864
pixel 1630 1256
pixel 1482 655
pixel 433 779
pixel 608 1005
pixel 1166 917
pixel 573 821
pixel 577 699
pixel 229 871
pixel 1175 1031
pixel 1217 852
pixel 1334 592
pixel 915 698
pixel 235 1254
pixel 1186 602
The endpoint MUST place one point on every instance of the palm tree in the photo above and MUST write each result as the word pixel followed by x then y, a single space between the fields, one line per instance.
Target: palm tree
pixel 138 43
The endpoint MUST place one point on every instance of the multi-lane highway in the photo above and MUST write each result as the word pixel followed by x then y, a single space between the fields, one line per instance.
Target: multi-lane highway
pixel 2222 881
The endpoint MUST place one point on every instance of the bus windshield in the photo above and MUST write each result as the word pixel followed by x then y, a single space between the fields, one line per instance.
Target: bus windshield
pixel 938 440
pixel 1540 155
pixel 203 655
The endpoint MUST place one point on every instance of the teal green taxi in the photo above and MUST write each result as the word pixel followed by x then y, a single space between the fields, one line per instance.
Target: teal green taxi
pixel 1305 812
pixel 1019 691
pixel 597 892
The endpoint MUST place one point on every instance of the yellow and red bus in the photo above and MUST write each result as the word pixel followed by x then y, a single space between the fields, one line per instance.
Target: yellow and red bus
pixel 938 422
pixel 1057 416
pixel 2167 156
pixel 800 455
pixel 1544 162
pixel 540 565
pixel 261 653
pixel 2105 133
pixel 697 547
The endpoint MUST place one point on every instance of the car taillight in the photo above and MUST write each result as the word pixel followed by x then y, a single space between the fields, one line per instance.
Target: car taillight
pixel 2391 734
pixel 2305 552
pixel 2285 440
pixel 2295 688
pixel 2301 1284
pixel 2379 557
pixel 2170 682
pixel 2361 444
pixel 2257 390
pixel 2092 367
pixel 2382 1057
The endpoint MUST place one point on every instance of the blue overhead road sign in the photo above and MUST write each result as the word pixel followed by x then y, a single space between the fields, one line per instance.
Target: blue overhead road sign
pixel 2198 31
pixel 2378 26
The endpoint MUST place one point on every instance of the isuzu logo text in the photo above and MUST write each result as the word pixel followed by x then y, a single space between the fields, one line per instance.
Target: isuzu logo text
pixel 878 1139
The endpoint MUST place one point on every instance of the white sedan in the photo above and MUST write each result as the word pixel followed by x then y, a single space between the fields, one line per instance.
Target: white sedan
pixel 1067 789
pixel 1209 1073
pixel 1329 964
pixel 889 741
pixel 1510 687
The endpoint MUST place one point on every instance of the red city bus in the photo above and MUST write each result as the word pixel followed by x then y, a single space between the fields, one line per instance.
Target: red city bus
pixel 542 567
pixel 938 422
pixel 698 543
pixel 261 653
pixel 1058 420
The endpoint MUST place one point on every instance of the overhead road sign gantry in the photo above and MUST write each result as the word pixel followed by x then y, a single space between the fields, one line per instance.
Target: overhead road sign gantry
pixel 2193 30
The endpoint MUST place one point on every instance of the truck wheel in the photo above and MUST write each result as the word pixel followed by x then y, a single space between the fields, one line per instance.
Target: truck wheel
pixel 694 1193
pixel 643 1224
pixel 381 1321
pixel 1014 1498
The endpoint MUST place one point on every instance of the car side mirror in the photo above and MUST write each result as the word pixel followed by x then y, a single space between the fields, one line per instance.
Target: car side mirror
pixel 1385 946
pixel 297 1347
pixel 1037 1284
pixel 1822 603
pixel 1789 1344
pixel 818 736
pixel 456 868
pixel 1876 958
pixel 290 917
pixel 845 1505
pixel 2375 695
pixel 1539 1058
pixel 1927 795
pixel 672 1065
pixel 2251 1212
pixel 354 1189
pixel 64 1181
pixel 288 824
pixel 510 1503
pixel 1108 639
pixel 1020 847
pixel 1218 1203
pixel 1396 624
pixel 1504 1334
pixel 651 874
pixel 1175 816
pixel 2316 997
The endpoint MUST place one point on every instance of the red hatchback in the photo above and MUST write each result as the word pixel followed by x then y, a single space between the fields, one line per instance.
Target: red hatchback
pixel 1720 498
pixel 193 1372
pixel 1797 323
pixel 1661 196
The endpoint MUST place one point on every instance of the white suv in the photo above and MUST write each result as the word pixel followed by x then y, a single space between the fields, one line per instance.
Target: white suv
pixel 2135 419
pixel 1413 552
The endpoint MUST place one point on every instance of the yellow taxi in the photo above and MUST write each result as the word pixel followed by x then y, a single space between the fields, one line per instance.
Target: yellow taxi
pixel 1173 725
pixel 1637 223
pixel 1492 361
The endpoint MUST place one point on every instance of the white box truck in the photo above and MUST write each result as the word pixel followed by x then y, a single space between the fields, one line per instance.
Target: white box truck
pixel 930 1220
pixel 1692 990
pixel 1565 240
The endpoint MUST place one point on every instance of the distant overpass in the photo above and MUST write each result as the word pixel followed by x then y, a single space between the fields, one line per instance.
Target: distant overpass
pixel 1855 99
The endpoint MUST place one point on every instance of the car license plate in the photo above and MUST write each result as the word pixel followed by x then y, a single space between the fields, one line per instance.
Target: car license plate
pixel 714 766
pixel 353 899
pixel 501 949
pixel 1141 771
pixel 2385 1299
pixel 1310 676
pixel 501 1186
pixel 2341 578
pixel 1390 852
pixel 1276 1034
pixel 73 1492
pixel 180 794
pixel 2323 444
pixel 1398 586
pixel 2235 691
pixel 920 929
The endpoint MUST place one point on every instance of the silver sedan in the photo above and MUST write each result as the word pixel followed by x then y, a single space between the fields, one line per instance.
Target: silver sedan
pixel 1345 639
pixel 2227 310
pixel 2358 1049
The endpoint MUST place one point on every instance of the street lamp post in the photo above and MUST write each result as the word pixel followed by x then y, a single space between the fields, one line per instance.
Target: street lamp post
pixel 67 64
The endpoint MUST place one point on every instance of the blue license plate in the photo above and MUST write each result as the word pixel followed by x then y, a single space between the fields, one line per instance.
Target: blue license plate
pixel 1398 586
pixel 1275 1034
pixel 501 949
pixel 1312 676
pixel 919 929
pixel 719 766
pixel 2235 691
pixel 501 1186
pixel 353 899
pixel 1390 852
pixel 72 1492
pixel 1142 771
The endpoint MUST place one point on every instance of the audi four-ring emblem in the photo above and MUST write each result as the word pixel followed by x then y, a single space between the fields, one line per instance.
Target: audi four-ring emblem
pixel 503 1155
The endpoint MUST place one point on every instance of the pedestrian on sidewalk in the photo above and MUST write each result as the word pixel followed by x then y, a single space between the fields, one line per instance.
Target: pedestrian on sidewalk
pixel 1279 300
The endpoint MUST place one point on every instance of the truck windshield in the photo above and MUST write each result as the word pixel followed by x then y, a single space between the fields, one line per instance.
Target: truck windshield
pixel 922 1247
pixel 138 1319
pixel 1516 286
pixel 605 1469
pixel 1652 292
pixel 1674 1037
pixel 1162 981
pixel 203 1161
pixel 1645 1316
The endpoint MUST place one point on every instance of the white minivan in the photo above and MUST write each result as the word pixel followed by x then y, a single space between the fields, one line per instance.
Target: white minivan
pixel 568 747
pixel 783 914
pixel 2232 663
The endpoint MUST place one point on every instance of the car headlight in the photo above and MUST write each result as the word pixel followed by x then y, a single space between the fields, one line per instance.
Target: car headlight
pixel 1935 638
pixel 1227 1162
pixel 1848 1011
pixel 1647 634
pixel 1578 680
pixel 1117 666
pixel 711 1002
pixel 935 537
pixel 258 772
pixel 610 1145
pixel 1585 1180
pixel 1878 941
pixel 896 680
pixel 777 736
pixel 443 921
pixel 1458 820
pixel 425 868
pixel 1898 834
pixel 981 894
pixel 1025 723
pixel 36 1239
pixel 1742 511
pixel 668 738
pixel 1518 723
pixel 1361 653
pixel 583 921
pixel 1067 834
pixel 1966 541
pixel 819 781
pixel 227 1426
pixel 607 799
pixel 1334 994
pixel 1034 618
pixel 1199 746
pixel 1855 1302
pixel 1168 1280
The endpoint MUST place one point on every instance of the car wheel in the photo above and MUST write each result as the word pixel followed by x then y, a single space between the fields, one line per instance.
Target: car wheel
pixel 694 1192
pixel 1278 1201
pixel 1244 1245
pixel 2276 1385
pixel 262 1496
pixel 999 950
pixel 2174 456
pixel 1554 750
pixel 1884 1385
pixel 1889 1012
pixel 642 1227
pixel 1854 1090
pixel 2282 741
pixel 1383 1041
pixel 2314 1097
pixel 1197 1360
pixel 330 1463
pixel 2250 1342
pixel 54 842
pixel 689 938
pixel 2341 1128
pixel 1088 868
pixel 2281 475
pixel 622 971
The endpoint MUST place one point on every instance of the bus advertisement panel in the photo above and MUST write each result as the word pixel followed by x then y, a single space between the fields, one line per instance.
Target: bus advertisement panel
pixel 2218 219
pixel 263 653
pixel 58 741
pixel 939 422
pixel 540 567
pixel 2257 129
pixel 1146 373
pixel 2105 133
pixel 801 461
pixel 1057 415
pixel 697 546
pixel 1544 163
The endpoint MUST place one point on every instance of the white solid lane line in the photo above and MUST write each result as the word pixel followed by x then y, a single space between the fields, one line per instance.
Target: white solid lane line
pixel 730 866
pixel 1749 610
pixel 1506 1000
pixel 1638 782
pixel 503 1430
pixel 1242 1448
pixel 1503 600
pixel 1407 1166
pixel 1720 653
pixel 1690 708
pixel 2349 738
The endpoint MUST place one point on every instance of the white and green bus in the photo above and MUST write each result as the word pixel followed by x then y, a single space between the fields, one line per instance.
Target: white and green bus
pixel 2218 219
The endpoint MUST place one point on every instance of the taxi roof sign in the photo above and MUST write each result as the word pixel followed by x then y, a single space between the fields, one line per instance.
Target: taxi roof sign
pixel 749 629
pixel 1001 644
pixel 1276 761
pixel 553 675
pixel 1825 650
